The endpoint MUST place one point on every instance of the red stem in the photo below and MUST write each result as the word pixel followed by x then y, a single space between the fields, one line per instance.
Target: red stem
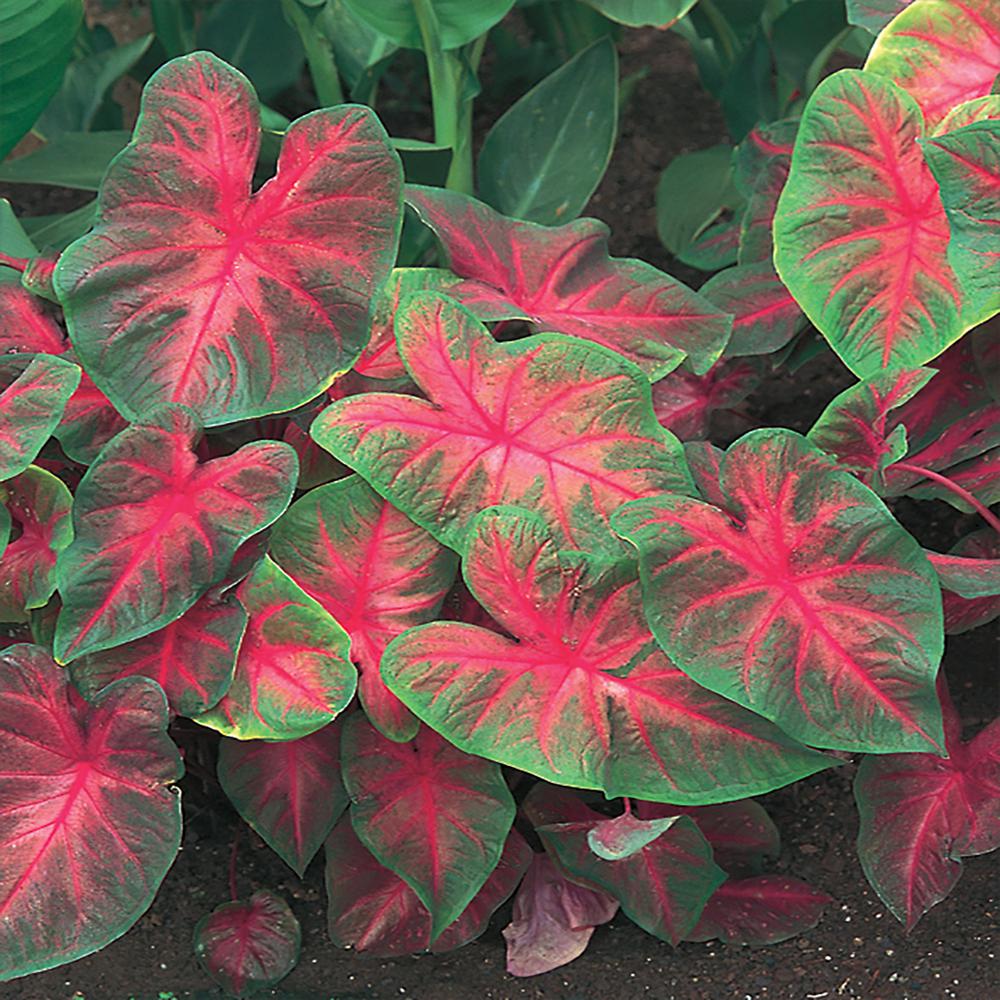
pixel 980 508
pixel 18 263
pixel 233 894
pixel 628 806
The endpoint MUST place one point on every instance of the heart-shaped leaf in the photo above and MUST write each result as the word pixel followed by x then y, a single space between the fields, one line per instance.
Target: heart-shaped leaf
pixel 374 570
pixel 371 909
pixel 154 529
pixel 192 290
pixel 583 696
pixel 30 409
pixel 561 278
pixel 943 52
pixel 435 816
pixel 39 505
pixel 25 326
pixel 861 237
pixel 292 674
pixel 804 600
pixel 684 403
pixel 90 824
pixel 247 946
pixel 88 423
pixel 961 613
pixel 192 658
pixel 553 920
pixel 289 791
pixel 920 814
pixel 550 422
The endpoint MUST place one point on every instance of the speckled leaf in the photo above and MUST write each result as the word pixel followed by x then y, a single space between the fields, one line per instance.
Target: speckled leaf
pixel 289 791
pixel 191 289
pixel 964 613
pixel 192 658
pixel 861 237
pixel 920 814
pixel 943 52
pixel 30 409
pixel 154 529
pixel 970 576
pixel 88 423
pixel 39 505
pixel 374 570
pixel 804 600
pixel 435 816
pixel 549 422
pixel 292 674
pixel 249 945
pixel 90 822
pixel 561 278
pixel 582 696
pixel 25 325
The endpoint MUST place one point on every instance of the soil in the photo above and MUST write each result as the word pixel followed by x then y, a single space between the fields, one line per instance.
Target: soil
pixel 858 950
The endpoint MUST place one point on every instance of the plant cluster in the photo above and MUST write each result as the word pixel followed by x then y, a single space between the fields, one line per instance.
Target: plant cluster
pixel 425 518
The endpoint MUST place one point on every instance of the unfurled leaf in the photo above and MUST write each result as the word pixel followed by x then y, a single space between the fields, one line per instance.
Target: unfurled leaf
pixel 943 52
pixel 193 290
pixel 562 279
pixel 90 824
pixel 553 920
pixel 765 316
pixel 192 658
pixel 663 887
pixel 861 237
pixel 874 15
pixel 921 814
pixel 638 13
pixel 684 403
pixel 582 696
pixel 551 422
pixel 290 791
pixel 30 408
pixel 619 838
pixel 761 910
pixel 154 529
pixel 374 570
pixel 292 674
pixel 970 567
pixel 375 911
pixel 25 325
pixel 803 600
pixel 39 505
pixel 247 946
pixel 88 423
pixel 435 816
pixel 705 463
pixel 457 23
pixel 716 246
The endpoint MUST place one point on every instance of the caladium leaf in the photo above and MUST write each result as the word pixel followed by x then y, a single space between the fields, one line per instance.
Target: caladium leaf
pixel 435 816
pixel 39 504
pixel 292 673
pixel 561 278
pixel 861 238
pixel 920 814
pixel 765 316
pixel 371 909
pixel 550 422
pixel 553 920
pixel 663 887
pixel 684 403
pixel 192 290
pixel 970 569
pixel 374 570
pixel 619 838
pixel 761 910
pixel 247 946
pixel 90 824
pixel 30 408
pixel 803 600
pixel 192 658
pixel 874 15
pixel 943 52
pixel 141 561
pixel 582 696
pixel 25 326
pixel 88 423
pixel 705 462
pixel 289 791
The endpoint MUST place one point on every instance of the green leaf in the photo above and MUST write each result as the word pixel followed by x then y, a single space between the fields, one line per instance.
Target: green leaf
pixel 545 156
pixel 56 232
pixel 458 21
pixel 36 42
pixel 14 241
pixel 73 160
pixel 639 13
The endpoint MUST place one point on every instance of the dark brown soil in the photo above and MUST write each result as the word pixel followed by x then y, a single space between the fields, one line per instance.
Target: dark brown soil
pixel 857 951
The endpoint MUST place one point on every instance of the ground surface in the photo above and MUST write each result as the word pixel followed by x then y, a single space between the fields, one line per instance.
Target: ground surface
pixel 858 950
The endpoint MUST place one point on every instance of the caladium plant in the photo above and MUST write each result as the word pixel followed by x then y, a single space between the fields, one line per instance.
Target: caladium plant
pixel 412 526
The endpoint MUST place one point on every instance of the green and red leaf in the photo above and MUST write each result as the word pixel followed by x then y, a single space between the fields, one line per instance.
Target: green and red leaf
pixel 25 324
pixel 561 278
pixel 191 289
pixel 803 600
pixel 374 570
pixel 90 823
pixel 684 403
pixel 582 696
pixel 968 575
pixel 154 529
